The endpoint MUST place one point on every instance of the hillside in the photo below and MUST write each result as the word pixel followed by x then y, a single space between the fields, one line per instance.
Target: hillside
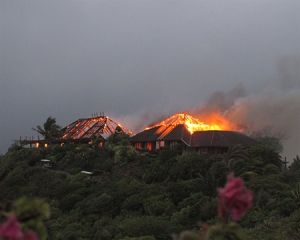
pixel 135 195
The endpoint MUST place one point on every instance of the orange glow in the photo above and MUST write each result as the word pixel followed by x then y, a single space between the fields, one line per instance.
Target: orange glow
pixel 149 146
pixel 95 126
pixel 204 122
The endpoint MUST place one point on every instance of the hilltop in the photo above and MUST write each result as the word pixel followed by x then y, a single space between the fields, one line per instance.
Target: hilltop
pixel 135 195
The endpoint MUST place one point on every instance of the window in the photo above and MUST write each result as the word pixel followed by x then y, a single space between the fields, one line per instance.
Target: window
pixel 149 146
pixel 160 144
pixel 138 146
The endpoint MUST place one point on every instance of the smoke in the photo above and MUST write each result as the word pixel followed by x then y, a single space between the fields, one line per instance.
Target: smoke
pixel 138 121
pixel 221 101
pixel 289 72
pixel 274 110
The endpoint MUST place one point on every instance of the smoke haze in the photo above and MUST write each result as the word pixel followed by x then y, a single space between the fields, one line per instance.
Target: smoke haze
pixel 272 110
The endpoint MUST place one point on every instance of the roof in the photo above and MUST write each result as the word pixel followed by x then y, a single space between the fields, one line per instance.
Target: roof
pixel 86 128
pixel 217 138
pixel 148 135
pixel 209 138
pixel 180 132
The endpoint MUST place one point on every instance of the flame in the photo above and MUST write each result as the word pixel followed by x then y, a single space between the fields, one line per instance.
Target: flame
pixel 203 122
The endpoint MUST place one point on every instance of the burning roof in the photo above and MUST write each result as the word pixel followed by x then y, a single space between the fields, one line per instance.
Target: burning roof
pixel 212 121
pixel 99 126
pixel 215 131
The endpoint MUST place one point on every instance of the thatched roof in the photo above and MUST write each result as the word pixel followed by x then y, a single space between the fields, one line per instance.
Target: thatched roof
pixel 148 135
pixel 210 138
pixel 220 139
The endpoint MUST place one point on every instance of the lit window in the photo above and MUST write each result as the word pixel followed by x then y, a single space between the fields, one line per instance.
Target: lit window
pixel 138 146
pixel 149 146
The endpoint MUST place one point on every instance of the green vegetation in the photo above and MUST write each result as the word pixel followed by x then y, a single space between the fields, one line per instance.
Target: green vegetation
pixel 49 130
pixel 142 196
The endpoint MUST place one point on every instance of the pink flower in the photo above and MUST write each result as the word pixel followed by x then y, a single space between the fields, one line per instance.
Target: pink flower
pixel 11 229
pixel 234 199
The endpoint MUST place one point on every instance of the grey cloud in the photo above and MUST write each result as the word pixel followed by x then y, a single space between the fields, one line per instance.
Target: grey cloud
pixel 69 58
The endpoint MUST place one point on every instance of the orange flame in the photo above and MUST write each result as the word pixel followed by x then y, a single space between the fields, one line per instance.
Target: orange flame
pixel 204 122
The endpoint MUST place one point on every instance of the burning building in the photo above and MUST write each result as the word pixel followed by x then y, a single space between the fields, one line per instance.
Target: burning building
pixel 99 127
pixel 83 130
pixel 188 132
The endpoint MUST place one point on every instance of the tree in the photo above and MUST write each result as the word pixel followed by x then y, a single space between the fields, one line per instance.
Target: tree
pixel 150 196
pixel 50 129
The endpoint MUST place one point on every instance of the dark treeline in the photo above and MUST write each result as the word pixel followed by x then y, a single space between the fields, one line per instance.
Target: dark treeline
pixel 133 195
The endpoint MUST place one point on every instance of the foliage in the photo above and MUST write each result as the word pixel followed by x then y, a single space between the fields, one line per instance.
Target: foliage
pixel 138 196
pixel 49 130
pixel 230 231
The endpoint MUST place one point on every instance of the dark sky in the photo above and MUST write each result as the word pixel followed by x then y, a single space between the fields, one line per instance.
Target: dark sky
pixel 70 58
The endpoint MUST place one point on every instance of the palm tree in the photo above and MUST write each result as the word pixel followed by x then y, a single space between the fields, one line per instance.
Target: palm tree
pixel 50 129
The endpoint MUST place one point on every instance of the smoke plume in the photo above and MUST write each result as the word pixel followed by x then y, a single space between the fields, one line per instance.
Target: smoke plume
pixel 274 110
